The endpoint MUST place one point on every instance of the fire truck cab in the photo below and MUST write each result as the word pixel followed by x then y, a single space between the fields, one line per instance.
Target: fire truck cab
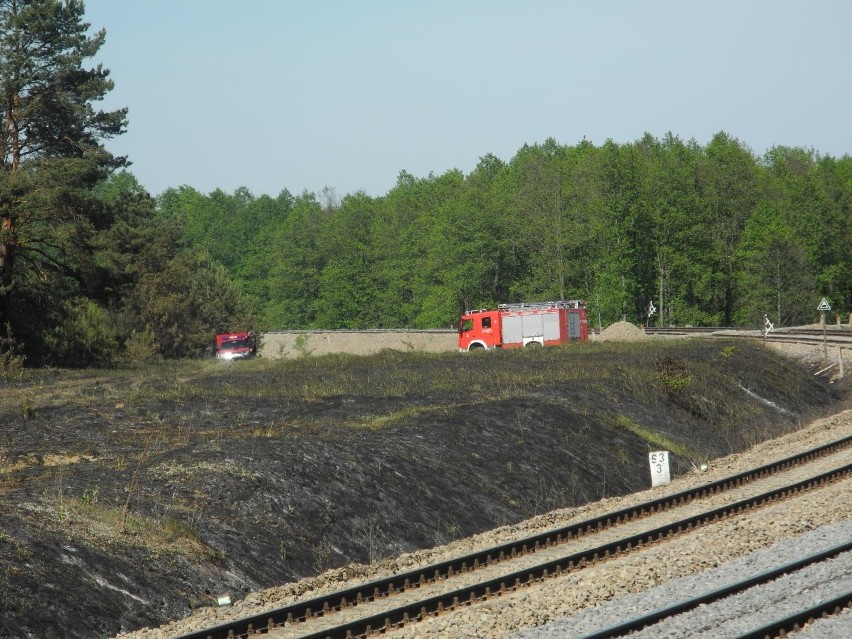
pixel 519 325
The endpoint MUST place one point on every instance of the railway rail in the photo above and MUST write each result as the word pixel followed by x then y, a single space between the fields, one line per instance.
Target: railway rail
pixel 772 628
pixel 832 335
pixel 777 629
pixel 429 591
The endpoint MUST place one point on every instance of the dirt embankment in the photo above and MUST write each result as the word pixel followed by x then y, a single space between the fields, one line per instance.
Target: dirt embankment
pixel 133 498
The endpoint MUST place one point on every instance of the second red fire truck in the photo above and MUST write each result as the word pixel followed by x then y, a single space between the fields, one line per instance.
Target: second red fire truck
pixel 519 325
pixel 238 345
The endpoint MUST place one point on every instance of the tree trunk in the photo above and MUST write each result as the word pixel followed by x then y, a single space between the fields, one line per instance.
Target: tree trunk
pixel 7 249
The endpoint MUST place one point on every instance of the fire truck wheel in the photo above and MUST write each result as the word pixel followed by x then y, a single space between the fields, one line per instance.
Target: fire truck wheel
pixel 473 347
pixel 532 345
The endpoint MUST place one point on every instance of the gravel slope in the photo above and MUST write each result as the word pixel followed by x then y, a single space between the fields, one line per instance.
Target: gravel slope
pixel 737 538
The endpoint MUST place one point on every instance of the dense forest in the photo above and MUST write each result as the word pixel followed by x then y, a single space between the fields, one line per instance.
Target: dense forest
pixel 95 270
pixel 713 235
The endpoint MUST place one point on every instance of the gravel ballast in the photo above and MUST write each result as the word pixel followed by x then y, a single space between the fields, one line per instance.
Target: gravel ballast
pixel 731 616
pixel 592 591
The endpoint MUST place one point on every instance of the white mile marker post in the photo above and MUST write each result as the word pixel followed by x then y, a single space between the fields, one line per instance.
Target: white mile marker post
pixel 660 475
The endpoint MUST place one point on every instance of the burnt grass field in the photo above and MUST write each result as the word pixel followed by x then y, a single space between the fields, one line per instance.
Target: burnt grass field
pixel 131 497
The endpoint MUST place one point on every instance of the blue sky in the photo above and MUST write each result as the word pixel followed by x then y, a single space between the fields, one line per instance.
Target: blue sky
pixel 300 95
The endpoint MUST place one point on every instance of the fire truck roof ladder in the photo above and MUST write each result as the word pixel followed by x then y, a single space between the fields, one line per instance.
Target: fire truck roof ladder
pixel 536 306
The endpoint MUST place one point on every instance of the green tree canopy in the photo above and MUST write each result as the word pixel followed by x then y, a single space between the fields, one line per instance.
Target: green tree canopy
pixel 50 158
pixel 712 234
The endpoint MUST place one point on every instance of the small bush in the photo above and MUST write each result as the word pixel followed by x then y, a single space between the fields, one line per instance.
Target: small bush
pixel 88 335
pixel 673 374
pixel 727 352
pixel 11 366
pixel 11 361
pixel 140 347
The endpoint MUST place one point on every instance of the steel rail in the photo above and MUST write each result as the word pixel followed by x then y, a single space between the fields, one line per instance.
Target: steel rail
pixel 725 330
pixel 780 627
pixel 683 330
pixel 656 616
pixel 438 604
pixel 808 337
pixel 381 588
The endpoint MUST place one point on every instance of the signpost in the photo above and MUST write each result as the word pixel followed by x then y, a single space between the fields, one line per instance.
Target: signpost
pixel 651 310
pixel 767 326
pixel 822 308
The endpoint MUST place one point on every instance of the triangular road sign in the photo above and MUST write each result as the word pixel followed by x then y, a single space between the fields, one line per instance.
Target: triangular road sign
pixel 823 305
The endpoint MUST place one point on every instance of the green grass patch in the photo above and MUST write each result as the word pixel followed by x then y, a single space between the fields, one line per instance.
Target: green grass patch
pixel 88 519
pixel 656 441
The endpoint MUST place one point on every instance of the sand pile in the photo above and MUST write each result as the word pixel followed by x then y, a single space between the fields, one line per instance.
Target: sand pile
pixel 622 332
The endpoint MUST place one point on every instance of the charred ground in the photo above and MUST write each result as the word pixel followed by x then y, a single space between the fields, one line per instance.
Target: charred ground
pixel 131 497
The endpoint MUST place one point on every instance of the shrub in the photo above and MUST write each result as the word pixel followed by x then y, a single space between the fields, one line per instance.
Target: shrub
pixel 140 347
pixel 673 374
pixel 11 361
pixel 88 335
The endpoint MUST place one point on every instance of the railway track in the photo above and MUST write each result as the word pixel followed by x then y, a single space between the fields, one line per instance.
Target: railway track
pixel 381 605
pixel 832 336
pixel 774 627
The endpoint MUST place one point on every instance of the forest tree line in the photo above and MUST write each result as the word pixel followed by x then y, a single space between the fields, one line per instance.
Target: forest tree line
pixel 95 271
pixel 712 235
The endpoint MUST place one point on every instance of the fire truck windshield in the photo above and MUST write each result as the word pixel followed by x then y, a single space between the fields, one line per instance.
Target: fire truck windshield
pixel 465 325
pixel 235 343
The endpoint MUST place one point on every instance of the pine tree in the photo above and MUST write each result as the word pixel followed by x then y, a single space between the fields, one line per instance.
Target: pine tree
pixel 50 156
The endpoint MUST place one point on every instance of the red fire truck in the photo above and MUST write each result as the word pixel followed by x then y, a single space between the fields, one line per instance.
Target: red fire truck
pixel 237 345
pixel 517 325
